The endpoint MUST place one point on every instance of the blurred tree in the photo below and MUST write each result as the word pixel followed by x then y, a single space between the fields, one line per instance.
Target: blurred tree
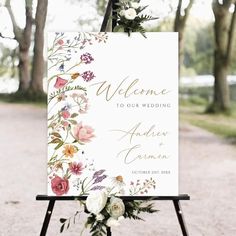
pixel 23 37
pixel 224 28
pixel 181 17
pixel 203 58
pixel 4 59
pixel 101 6
pixel 36 85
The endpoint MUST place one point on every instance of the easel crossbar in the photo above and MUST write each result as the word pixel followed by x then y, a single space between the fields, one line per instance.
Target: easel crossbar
pixel 174 199
pixel 125 198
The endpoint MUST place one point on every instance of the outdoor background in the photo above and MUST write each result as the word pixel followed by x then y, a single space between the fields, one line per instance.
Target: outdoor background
pixel 207 31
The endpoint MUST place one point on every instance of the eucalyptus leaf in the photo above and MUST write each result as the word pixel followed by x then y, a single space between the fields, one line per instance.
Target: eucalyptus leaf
pixel 119 28
pixel 59 145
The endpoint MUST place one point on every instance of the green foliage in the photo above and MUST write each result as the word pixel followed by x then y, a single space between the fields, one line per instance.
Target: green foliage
pixel 128 25
pixel 198 100
pixel 205 93
pixel 63 90
pixel 134 208
pixel 221 124
pixel 99 227
pixel 25 97
pixel 101 6
pixel 67 222
pixel 7 61
pixel 198 46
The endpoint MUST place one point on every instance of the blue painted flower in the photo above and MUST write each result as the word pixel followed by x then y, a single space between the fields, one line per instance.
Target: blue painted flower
pixel 62 68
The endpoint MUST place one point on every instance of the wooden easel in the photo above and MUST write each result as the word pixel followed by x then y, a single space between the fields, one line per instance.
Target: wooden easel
pixel 176 201
pixel 110 10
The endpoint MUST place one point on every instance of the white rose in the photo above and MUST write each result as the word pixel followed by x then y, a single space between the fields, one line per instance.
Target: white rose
pixel 116 207
pixel 122 12
pixel 134 5
pixel 114 222
pixel 100 217
pixel 96 201
pixel 130 14
pixel 121 218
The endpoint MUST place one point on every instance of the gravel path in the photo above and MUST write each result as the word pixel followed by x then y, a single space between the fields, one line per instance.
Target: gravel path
pixel 207 173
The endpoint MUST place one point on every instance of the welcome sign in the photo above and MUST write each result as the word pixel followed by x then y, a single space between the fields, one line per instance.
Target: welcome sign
pixel 113 113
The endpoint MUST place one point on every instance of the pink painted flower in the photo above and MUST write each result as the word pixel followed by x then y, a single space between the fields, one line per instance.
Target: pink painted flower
pixel 86 58
pixel 60 42
pixel 76 168
pixel 59 185
pixel 88 76
pixel 65 123
pixel 60 83
pixel 82 102
pixel 65 114
pixel 83 133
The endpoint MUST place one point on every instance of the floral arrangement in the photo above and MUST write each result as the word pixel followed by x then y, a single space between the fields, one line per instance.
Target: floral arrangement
pixel 107 212
pixel 130 18
pixel 67 103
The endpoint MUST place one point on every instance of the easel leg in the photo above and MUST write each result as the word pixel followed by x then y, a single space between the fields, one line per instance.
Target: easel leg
pixel 47 218
pixel 180 216
pixel 114 13
pixel 108 231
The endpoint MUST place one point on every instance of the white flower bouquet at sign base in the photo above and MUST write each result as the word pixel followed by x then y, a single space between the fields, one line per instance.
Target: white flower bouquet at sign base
pixel 108 210
pixel 130 18
pixel 96 201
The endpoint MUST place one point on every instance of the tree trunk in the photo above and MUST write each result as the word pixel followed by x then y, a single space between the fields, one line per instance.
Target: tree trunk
pixel 23 68
pixel 179 26
pixel 36 85
pixel 224 32
pixel 180 30
pixel 23 37
pixel 221 87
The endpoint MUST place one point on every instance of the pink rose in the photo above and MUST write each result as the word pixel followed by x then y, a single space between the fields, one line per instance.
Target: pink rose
pixel 65 114
pixel 59 186
pixel 83 133
pixel 60 83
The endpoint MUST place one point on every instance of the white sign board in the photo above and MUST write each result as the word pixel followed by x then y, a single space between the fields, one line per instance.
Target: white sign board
pixel 113 113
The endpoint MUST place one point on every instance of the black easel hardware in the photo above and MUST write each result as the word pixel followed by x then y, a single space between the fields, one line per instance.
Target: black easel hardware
pixel 176 200
pixel 110 11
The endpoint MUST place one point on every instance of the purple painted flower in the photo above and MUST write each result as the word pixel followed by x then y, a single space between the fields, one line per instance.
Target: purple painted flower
pixel 97 173
pixel 99 179
pixel 86 58
pixel 97 188
pixel 88 75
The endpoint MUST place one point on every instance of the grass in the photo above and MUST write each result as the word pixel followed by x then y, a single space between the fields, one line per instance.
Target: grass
pixel 21 99
pixel 220 124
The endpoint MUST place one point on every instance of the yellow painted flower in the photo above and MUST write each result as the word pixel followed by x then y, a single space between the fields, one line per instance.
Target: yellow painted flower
pixel 69 150
pixel 75 75
pixel 118 181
